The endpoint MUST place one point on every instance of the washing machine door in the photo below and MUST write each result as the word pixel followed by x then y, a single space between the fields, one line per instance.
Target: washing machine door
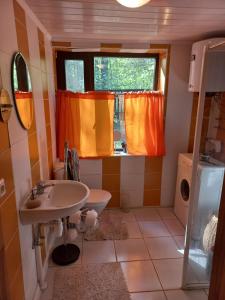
pixel 185 190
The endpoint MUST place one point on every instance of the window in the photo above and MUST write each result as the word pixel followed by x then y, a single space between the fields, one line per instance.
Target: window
pixel 74 70
pixel 124 73
pixel 81 72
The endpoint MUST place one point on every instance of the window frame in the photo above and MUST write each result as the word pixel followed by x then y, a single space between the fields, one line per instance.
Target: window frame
pixel 88 58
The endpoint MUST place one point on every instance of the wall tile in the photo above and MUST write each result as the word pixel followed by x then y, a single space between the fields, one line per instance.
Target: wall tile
pixel 152 197
pixel 41 38
pixel 16 290
pixel 47 111
pixel 50 162
pixel 4 136
pixel 6 172
pixel 111 165
pixel 33 41
pixel 132 164
pixel 8 42
pixel 8 218
pixel 33 129
pixel 111 182
pixel 115 200
pixel 22 40
pixel 44 80
pixel 93 181
pixel 2 274
pixel 131 181
pixel 33 148
pixel 153 164
pixel 49 136
pixel 131 198
pixel 35 173
pixel 12 258
pixel 43 154
pixel 28 261
pixel 152 180
pixel 21 170
pixel 90 166
pixel 42 57
pixel 19 12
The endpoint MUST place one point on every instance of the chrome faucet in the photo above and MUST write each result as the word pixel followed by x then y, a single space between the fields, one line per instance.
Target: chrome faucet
pixel 39 189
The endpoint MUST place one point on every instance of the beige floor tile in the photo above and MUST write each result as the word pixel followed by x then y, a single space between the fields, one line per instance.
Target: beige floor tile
pixel 154 229
pixel 140 276
pixel 162 247
pixel 131 249
pixel 174 227
pixel 148 296
pixel 146 214
pixel 166 213
pixel 133 230
pixel 128 217
pixel 186 295
pixel 169 272
pixel 98 252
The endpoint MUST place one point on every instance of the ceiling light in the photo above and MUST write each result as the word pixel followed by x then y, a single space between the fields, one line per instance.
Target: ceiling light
pixel 133 3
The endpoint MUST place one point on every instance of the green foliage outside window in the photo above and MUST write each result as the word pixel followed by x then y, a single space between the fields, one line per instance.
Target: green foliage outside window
pixel 124 73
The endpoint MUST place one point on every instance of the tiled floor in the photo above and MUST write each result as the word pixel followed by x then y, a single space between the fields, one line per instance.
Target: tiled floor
pixel 148 258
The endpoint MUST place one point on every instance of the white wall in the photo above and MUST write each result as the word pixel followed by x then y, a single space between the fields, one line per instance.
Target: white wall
pixel 178 118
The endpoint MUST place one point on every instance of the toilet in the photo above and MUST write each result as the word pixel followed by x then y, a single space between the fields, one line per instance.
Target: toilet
pixel 97 200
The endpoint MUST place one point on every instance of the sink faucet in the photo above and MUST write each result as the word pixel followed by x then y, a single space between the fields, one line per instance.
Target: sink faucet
pixel 39 189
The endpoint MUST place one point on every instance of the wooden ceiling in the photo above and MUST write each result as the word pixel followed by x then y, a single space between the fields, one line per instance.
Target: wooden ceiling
pixel 87 23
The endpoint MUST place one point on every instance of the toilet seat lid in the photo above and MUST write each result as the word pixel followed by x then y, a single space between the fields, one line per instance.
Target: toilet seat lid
pixel 98 196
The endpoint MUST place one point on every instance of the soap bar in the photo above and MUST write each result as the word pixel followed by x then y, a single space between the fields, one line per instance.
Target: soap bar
pixel 33 203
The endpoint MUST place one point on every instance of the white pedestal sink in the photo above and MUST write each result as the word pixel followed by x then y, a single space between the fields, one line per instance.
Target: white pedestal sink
pixel 60 200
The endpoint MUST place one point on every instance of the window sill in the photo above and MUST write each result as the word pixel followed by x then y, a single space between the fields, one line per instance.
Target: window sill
pixel 121 153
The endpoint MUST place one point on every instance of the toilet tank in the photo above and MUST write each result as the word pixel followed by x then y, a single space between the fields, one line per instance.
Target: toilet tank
pixel 58 170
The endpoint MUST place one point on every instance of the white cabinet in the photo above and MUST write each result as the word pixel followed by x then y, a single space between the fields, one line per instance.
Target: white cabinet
pixel 215 67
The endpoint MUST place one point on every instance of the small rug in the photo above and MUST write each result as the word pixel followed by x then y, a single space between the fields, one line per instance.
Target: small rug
pixel 110 227
pixel 90 282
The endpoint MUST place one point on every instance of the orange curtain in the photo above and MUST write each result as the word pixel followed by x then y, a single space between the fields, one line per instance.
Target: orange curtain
pixel 85 121
pixel 24 105
pixel 144 123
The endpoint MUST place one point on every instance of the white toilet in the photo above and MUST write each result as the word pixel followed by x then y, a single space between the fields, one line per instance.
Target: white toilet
pixel 97 200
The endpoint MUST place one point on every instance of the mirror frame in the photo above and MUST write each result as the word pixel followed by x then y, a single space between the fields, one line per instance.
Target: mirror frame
pixel 13 90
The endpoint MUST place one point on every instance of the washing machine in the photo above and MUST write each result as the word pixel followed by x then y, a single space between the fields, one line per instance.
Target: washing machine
pixel 208 189
pixel 183 185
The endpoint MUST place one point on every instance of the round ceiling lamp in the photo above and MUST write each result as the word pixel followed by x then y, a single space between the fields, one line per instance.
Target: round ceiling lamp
pixel 133 3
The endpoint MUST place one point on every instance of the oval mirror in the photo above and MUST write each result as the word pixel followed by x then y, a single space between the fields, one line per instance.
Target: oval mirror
pixel 22 90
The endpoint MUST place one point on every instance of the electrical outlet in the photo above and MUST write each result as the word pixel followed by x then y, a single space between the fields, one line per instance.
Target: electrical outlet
pixel 2 188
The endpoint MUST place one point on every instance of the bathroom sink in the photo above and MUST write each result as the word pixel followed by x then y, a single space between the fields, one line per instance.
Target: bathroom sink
pixel 61 198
